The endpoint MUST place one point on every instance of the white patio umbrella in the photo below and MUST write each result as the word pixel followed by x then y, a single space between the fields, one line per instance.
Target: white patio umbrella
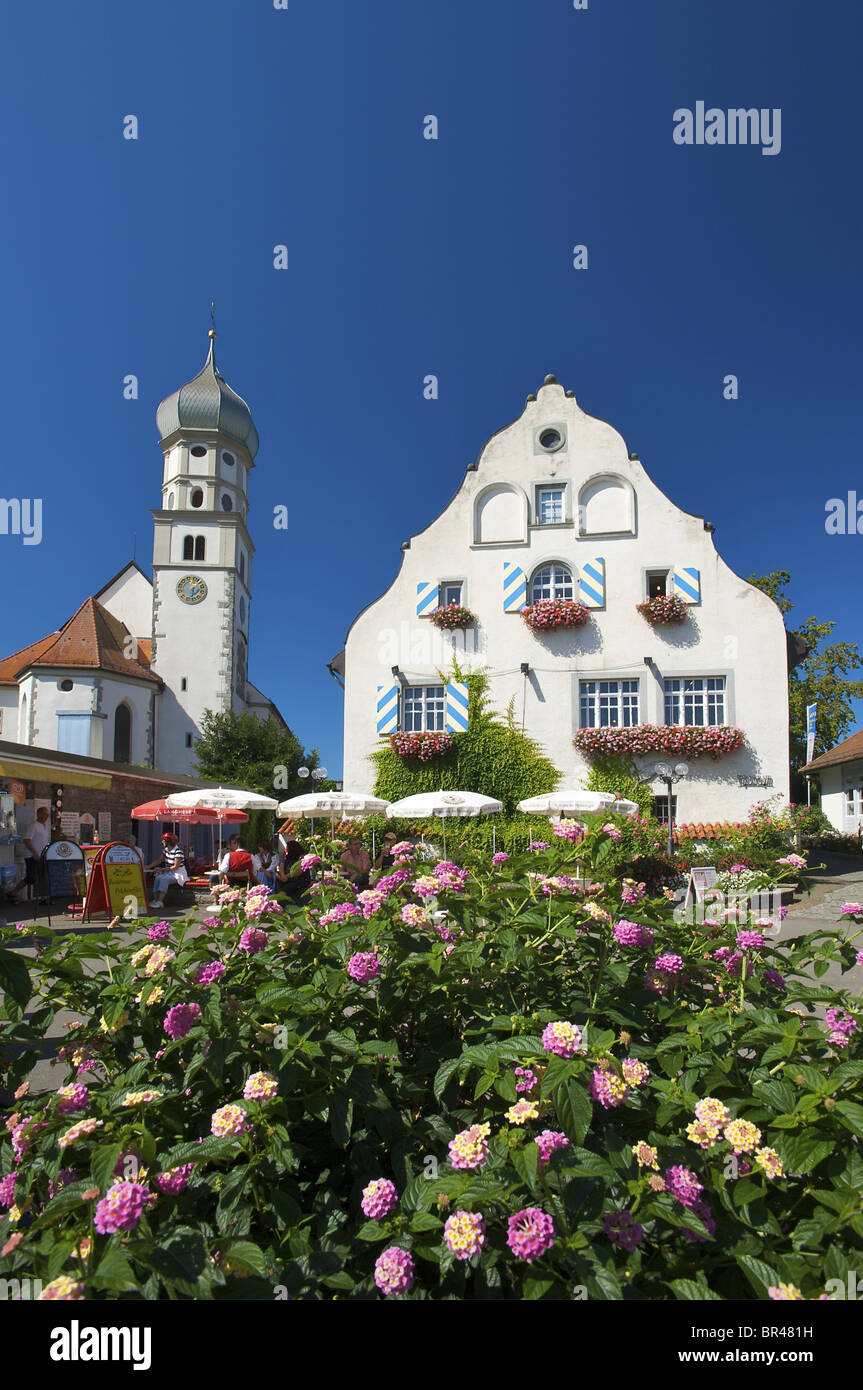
pixel 443 805
pixel 333 806
pixel 223 799
pixel 567 803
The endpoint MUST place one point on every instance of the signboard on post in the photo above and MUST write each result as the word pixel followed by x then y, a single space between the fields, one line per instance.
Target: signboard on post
pixel 117 884
pixel 104 826
pixel 63 871
pixel 811 716
pixel 701 880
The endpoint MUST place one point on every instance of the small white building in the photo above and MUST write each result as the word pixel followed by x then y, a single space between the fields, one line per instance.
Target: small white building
pixel 556 507
pixel 840 772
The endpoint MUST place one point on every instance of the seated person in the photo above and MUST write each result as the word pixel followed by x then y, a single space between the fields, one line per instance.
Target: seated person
pixel 356 864
pixel 265 863
pixel 385 860
pixel 291 880
pixel 236 865
pixel 172 866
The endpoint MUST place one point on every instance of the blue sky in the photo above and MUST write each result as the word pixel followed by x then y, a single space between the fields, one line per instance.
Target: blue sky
pixel 406 257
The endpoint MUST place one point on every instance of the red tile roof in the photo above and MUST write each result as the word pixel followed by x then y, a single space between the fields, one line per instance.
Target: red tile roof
pixel 93 639
pixel 844 752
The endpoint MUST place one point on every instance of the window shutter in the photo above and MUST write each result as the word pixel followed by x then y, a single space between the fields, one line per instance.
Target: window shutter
pixel 427 592
pixel 455 717
pixel 514 588
pixel 591 583
pixel 387 709
pixel 687 583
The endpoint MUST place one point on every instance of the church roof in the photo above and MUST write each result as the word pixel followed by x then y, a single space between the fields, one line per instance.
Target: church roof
pixel 93 639
pixel 207 402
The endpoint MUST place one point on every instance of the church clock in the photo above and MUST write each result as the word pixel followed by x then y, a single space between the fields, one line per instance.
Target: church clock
pixel 192 588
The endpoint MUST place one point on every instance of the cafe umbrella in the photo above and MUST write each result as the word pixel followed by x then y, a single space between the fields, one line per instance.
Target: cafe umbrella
pixel 443 805
pixel 221 799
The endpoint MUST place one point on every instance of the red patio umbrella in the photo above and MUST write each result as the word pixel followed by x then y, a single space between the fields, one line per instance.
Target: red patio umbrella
pixel 189 815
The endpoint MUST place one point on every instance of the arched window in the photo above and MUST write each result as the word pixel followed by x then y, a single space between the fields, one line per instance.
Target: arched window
pixel 188 547
pixel 200 547
pixel 122 734
pixel 552 581
pixel 197 497
pixel 242 564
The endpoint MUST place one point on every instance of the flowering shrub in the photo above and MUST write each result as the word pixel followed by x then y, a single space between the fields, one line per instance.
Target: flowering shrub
pixel 452 616
pixel 423 747
pixel 545 1097
pixel 663 610
pixel 684 740
pixel 548 614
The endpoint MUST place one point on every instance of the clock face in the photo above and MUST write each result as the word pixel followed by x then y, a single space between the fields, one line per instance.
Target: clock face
pixel 192 589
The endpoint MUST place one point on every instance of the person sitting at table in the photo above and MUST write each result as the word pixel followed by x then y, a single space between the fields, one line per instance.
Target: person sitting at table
pixel 385 859
pixel 265 863
pixel 172 866
pixel 236 865
pixel 291 880
pixel 356 864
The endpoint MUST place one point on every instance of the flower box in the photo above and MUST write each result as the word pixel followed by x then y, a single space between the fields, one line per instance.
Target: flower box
pixel 663 611
pixel 452 616
pixel 423 747
pixel 643 740
pixel 549 614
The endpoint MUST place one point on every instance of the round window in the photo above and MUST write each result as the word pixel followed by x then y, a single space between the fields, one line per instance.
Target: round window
pixel 227 502
pixel 197 497
pixel 66 685
pixel 170 501
pixel 550 439
pixel 198 451
pixel 228 459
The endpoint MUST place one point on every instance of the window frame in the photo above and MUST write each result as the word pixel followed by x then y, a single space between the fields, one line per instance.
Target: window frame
pixel 598 695
pixel 554 594
pixel 551 485
pixel 425 727
pixel 680 696
pixel 657 572
pixel 451 584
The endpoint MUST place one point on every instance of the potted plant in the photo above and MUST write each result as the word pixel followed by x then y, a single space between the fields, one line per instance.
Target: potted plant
pixel 664 610
pixel 452 616
pixel 549 614
pixel 422 746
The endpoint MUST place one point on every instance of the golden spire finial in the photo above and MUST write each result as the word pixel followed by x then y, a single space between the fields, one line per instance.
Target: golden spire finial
pixel 212 332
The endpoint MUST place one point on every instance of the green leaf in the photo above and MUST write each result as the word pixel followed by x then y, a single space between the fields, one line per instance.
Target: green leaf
pixel 525 1160
pixel 180 1258
pixel 425 1221
pixel 692 1291
pixel 103 1163
pixel 800 1153
pixel 532 1289
pixel 574 1110
pixel 852 1113
pixel 760 1275
pixel 114 1272
pixel 249 1255
pixel 443 1074
pixel 341 1118
pixel 341 1280
pixel 373 1230
pixel 15 977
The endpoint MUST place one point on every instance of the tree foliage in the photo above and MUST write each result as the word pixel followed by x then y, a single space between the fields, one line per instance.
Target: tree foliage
pixel 822 676
pixel 493 757
pixel 239 750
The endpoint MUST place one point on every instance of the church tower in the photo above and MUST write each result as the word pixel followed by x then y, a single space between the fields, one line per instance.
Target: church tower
pixel 202 558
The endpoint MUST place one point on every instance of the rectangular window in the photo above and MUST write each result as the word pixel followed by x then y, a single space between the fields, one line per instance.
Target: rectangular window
pixel 188 740
pixel 183 683
pixel 657 583
pixel 73 733
pixel 660 809
pixel 695 700
pixel 450 592
pixel 550 505
pixel 608 704
pixel 423 709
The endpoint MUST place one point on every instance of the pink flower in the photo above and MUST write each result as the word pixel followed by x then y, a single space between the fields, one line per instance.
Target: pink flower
pixel 622 1230
pixel 683 1184
pixel 464 1234
pixel 160 932
pixel 394 1271
pixel 700 1208
pixel 669 964
pixel 7 1190
pixel 121 1209
pixel 609 1089
pixel 530 1233
pixel 261 1085
pixel 469 1149
pixel 209 974
pixel 499 858
pixel 548 1141
pixel 612 832
pixel 229 1122
pixel 72 1098
pixel 364 966
pixel 253 939
pixel 852 909
pixel 528 1080
pixel 174 1180
pixel 63 1289
pixel 309 861
pixel 379 1198
pixel 632 934
pixel 563 1039
pixel 181 1019
pixel 635 1072
pixel 749 940
pixel 777 981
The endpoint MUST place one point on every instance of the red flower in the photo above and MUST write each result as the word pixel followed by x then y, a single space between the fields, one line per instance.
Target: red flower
pixel 549 613
pixel 424 746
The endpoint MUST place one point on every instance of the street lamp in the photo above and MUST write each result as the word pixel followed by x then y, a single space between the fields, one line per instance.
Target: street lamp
pixel 670 775
pixel 317 774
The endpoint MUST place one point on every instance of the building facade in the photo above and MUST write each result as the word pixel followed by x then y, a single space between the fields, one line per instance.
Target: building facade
pixel 129 676
pixel 840 774
pixel 556 508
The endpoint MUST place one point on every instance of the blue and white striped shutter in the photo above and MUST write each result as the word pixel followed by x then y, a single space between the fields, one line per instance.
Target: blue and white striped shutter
pixel 687 583
pixel 591 583
pixel 387 709
pixel 455 716
pixel 514 588
pixel 427 596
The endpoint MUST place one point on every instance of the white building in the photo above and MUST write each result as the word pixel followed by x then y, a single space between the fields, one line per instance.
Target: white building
pixel 556 507
pixel 129 675
pixel 840 772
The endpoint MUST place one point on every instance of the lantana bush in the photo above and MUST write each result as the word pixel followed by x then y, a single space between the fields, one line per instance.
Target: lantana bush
pixel 518 1080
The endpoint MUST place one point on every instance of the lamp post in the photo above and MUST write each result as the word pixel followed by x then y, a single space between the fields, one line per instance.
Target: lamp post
pixel 317 775
pixel 670 775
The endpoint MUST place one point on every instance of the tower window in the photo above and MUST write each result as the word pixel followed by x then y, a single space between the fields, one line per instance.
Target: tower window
pixel 188 547
pixel 198 451
pixel 122 734
pixel 188 740
pixel 200 548
pixel 227 502
pixel 183 683
pixel 197 497
pixel 170 501
pixel 242 564
pixel 228 459
pixel 65 685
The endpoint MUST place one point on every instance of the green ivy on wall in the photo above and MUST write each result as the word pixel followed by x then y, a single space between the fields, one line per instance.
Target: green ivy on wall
pixel 620 775
pixel 493 757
